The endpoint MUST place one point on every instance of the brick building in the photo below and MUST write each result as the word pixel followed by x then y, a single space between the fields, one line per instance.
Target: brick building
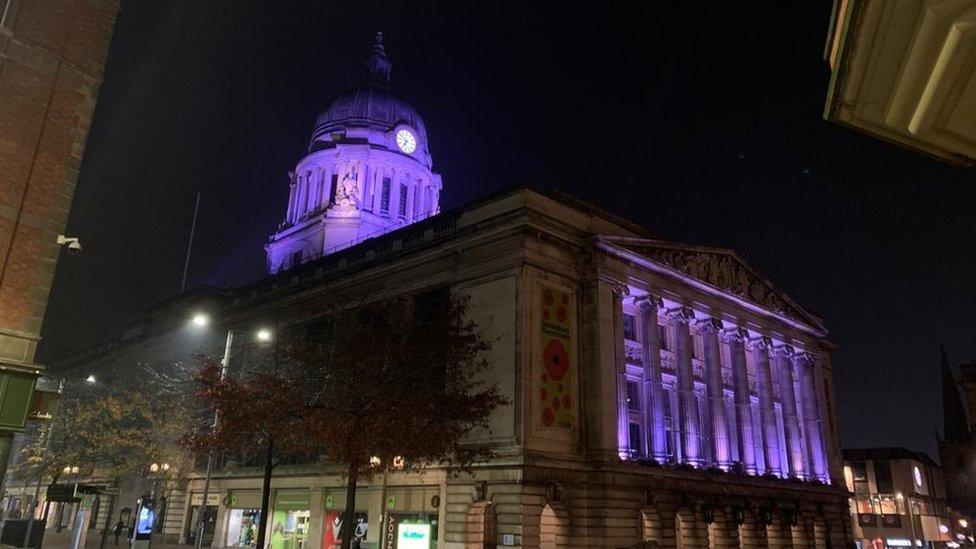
pixel 52 58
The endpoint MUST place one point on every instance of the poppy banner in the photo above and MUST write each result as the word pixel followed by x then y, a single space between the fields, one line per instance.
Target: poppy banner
pixel 557 395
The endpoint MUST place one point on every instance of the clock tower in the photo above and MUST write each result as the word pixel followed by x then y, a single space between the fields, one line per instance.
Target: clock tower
pixel 368 171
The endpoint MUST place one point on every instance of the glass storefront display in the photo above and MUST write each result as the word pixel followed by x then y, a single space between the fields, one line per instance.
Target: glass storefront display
pixel 289 522
pixel 410 530
pixel 333 526
pixel 242 527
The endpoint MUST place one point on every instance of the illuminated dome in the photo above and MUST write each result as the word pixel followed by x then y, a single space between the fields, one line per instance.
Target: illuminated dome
pixel 371 105
pixel 367 171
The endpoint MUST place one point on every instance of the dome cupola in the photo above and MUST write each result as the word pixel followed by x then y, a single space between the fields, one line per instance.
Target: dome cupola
pixel 367 171
pixel 371 105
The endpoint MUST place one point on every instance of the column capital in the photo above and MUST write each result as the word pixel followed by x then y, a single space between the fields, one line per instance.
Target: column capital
pixel 710 325
pixel 759 343
pixel 619 290
pixel 649 301
pixel 804 356
pixel 736 334
pixel 782 351
pixel 682 315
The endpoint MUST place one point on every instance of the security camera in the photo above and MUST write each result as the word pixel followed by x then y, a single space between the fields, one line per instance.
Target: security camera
pixel 73 243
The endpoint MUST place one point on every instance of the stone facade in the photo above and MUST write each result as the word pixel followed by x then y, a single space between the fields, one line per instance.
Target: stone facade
pixel 572 478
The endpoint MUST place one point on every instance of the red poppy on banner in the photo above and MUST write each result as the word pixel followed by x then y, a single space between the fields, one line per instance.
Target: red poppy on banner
pixel 558 386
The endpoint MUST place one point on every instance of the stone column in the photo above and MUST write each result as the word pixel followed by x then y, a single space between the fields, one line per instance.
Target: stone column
pixel 735 338
pixel 651 386
pixel 760 353
pixel 687 404
pixel 719 427
pixel 620 367
pixel 292 201
pixel 783 358
pixel 805 364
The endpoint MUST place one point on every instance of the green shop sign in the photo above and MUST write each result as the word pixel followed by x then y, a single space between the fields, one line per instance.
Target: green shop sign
pixel 285 501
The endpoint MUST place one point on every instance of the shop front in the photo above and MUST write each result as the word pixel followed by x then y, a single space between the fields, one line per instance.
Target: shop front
pixel 243 516
pixel 290 520
pixel 209 518
pixel 331 538
pixel 410 531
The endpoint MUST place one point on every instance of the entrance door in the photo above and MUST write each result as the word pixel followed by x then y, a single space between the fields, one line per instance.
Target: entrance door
pixel 209 525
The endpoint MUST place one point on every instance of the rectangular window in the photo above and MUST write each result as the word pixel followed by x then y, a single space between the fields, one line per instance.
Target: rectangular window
pixel 633 396
pixel 662 335
pixel 882 477
pixel 385 197
pixel 630 327
pixel 332 187
pixel 635 438
pixel 368 191
pixel 403 200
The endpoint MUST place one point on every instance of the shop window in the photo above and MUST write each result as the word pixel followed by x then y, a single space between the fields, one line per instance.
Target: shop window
pixel 630 327
pixel 865 506
pixel 889 505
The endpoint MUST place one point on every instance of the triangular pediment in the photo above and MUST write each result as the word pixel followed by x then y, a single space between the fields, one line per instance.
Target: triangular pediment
pixel 721 269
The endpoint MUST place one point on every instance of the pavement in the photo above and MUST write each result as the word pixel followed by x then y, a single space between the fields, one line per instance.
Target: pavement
pixel 53 540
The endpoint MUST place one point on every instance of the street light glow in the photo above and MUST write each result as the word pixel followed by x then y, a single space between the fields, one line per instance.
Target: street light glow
pixel 263 335
pixel 91 379
pixel 964 523
pixel 200 320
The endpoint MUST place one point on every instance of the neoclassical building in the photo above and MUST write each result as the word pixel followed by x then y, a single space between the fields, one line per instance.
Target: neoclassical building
pixel 659 394
pixel 368 171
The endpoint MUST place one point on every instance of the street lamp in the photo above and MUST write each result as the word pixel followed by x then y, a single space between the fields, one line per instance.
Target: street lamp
pixel 964 523
pixel 91 379
pixel 201 320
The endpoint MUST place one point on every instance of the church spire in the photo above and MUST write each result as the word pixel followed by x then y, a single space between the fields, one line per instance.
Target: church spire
pixel 955 426
pixel 378 65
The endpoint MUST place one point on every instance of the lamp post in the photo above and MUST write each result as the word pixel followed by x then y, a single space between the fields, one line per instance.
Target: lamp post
pixel 200 321
pixel 263 335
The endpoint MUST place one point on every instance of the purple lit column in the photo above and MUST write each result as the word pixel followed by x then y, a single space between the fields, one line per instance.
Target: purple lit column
pixel 760 353
pixel 653 412
pixel 620 366
pixel 783 359
pixel 805 364
pixel 743 405
pixel 719 427
pixel 687 404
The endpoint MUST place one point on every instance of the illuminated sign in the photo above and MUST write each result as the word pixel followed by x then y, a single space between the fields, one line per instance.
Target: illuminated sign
pixel 918 476
pixel 146 518
pixel 413 536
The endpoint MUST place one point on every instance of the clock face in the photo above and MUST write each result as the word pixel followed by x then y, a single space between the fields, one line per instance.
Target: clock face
pixel 406 141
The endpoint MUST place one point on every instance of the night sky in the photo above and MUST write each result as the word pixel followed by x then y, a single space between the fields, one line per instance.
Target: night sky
pixel 703 126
